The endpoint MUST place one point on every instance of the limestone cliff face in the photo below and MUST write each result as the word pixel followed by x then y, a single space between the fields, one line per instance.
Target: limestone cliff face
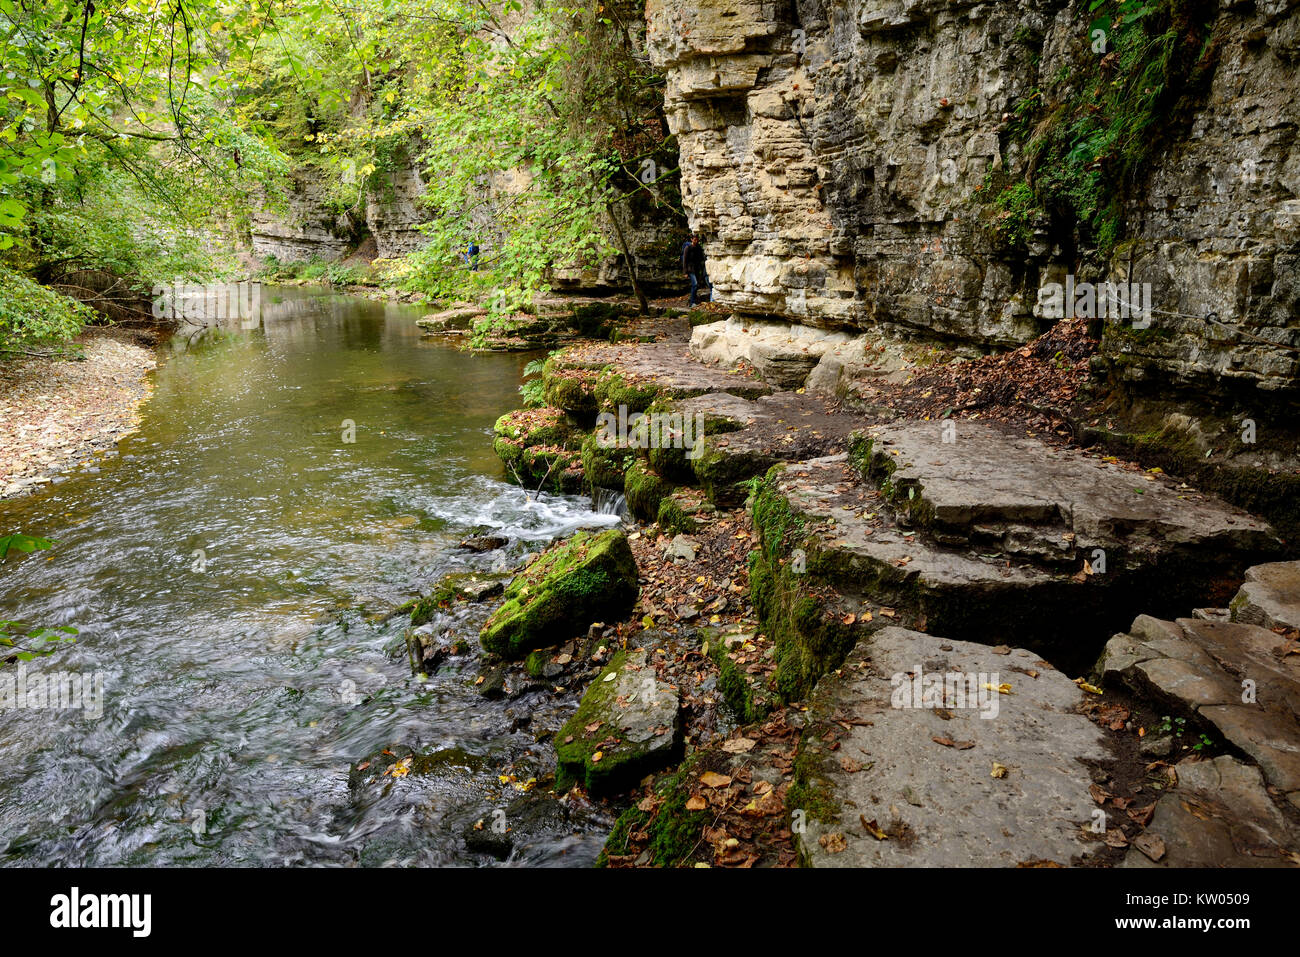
pixel 833 156
pixel 306 228
pixel 393 213
pixel 310 227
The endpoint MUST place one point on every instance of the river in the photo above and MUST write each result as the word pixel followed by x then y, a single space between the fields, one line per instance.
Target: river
pixel 228 573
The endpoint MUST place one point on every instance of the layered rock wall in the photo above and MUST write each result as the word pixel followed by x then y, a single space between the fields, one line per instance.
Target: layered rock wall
pixel 833 155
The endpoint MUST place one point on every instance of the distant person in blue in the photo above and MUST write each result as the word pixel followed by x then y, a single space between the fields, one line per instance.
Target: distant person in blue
pixel 693 268
pixel 471 255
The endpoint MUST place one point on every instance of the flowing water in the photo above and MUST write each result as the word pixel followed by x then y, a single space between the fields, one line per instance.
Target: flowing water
pixel 228 574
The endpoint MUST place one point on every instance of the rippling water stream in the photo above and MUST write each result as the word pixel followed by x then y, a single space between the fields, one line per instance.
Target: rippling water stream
pixel 228 573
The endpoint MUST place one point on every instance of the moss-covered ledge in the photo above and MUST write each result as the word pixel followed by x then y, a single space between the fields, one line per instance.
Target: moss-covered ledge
pixel 540 449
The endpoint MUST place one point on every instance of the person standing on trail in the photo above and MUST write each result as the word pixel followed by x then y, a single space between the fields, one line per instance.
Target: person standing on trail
pixel 693 267
pixel 471 255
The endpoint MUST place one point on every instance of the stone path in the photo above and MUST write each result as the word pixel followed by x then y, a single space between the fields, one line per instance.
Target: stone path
pixel 965 548
pixel 962 776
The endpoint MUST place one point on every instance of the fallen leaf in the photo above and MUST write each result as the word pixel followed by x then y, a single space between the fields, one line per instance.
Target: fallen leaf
pixel 712 779
pixel 872 828
pixel 833 843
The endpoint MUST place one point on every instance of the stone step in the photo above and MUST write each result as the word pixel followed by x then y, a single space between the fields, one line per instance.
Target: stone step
pixel 982 484
pixel 994 539
pixel 743 438
pixel 591 377
pixel 1270 596
pixel 965 776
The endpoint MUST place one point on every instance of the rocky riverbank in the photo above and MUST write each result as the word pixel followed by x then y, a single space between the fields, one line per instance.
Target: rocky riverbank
pixel 58 413
pixel 837 544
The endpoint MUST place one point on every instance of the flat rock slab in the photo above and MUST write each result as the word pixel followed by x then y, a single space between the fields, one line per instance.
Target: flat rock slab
pixel 455 320
pixel 1219 815
pixel 851 521
pixel 1238 680
pixel 938 785
pixel 784 427
pixel 1270 596
pixel 628 725
pixel 991 486
pixel 665 366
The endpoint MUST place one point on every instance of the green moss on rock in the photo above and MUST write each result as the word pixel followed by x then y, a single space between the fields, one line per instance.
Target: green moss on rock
pixel 569 388
pixel 605 467
pixel 613 392
pixel 626 726
pixel 809 641
pixel 539 449
pixel 644 491
pixel 747 699
pixel 673 519
pixel 588 578
pixel 674 832
pixel 724 472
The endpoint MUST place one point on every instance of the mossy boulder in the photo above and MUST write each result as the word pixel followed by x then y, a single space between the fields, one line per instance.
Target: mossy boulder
pixel 627 726
pixel 723 471
pixel 613 392
pixel 674 519
pixel 644 491
pixel 588 578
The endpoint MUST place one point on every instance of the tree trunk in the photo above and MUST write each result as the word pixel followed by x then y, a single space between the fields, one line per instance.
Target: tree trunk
pixel 631 263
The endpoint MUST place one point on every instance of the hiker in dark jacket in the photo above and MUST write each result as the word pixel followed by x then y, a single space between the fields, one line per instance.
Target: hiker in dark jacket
pixel 693 267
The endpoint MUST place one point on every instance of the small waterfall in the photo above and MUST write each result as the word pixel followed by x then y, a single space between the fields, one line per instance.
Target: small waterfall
pixel 608 502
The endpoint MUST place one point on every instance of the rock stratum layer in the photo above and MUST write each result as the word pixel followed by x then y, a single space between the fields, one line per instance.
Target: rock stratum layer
pixel 834 156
